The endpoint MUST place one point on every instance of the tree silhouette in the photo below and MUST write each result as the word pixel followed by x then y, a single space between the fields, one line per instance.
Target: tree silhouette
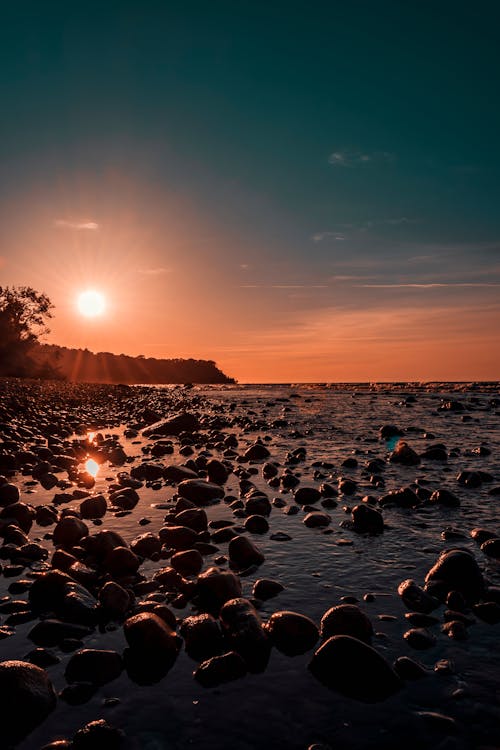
pixel 23 320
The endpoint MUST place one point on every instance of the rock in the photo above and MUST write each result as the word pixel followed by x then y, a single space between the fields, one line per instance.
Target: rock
pixel 200 492
pixel 114 599
pixel 243 553
pixel 256 524
pixel 101 544
pixel 188 562
pixel 20 514
pixel 94 507
pixel 193 518
pixel 491 548
pixel 69 531
pixel 146 545
pixel 256 452
pixel 307 496
pixel 416 598
pixel 292 633
pixel 316 520
pixel 366 520
pixel 216 587
pixel 243 628
pixel 257 504
pixel 151 636
pixel 27 699
pixel 202 636
pixel 47 591
pixel 9 494
pixel 184 422
pixel 50 633
pixel 488 612
pixel 265 588
pixel 456 570
pixel 389 431
pixel 177 473
pixel 445 498
pixel 178 537
pixel 121 562
pixel 419 638
pixel 98 735
pixel 346 619
pixel 435 453
pixel 354 669
pixel 125 498
pixel 404 454
pixel 220 669
pixel 216 471
pixel 482 535
pixel 402 498
pixel 409 669
pixel 93 665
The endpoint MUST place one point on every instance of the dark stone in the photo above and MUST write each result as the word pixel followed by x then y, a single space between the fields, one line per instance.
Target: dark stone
pixel 307 496
pixel 184 422
pixel 445 498
pixel 216 587
pixel 292 633
pixel 346 619
pixel 317 520
pixel 366 520
pixel 94 507
pixel 150 635
pixel 416 598
pixel 98 735
pixel 256 524
pixel 243 628
pixel 93 665
pixel 405 455
pixel 202 636
pixel 220 669
pixel 456 570
pixel 27 699
pixel 243 553
pixel 354 669
pixel 188 562
pixel 265 589
pixel 409 669
pixel 200 492
pixel 69 531
pixel 419 638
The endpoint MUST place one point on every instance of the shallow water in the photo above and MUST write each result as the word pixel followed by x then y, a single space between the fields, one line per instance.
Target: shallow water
pixel 285 707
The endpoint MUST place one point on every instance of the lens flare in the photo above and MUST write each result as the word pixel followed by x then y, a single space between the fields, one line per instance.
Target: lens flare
pixel 91 467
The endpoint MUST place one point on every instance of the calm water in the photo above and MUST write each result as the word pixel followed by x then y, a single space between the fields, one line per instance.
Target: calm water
pixel 285 707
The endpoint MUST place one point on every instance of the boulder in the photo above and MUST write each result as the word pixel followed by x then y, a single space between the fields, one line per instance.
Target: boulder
pixel 28 697
pixel 94 665
pixel 291 632
pixel 456 570
pixel 346 619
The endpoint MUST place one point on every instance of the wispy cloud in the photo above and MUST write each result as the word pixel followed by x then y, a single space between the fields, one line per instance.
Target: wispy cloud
pixel 284 286
pixel 92 225
pixel 320 236
pixel 154 271
pixel 354 158
pixel 433 285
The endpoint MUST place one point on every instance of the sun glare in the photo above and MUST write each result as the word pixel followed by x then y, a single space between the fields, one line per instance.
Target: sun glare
pixel 92 467
pixel 91 303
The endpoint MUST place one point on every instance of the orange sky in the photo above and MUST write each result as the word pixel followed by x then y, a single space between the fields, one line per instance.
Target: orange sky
pixel 177 285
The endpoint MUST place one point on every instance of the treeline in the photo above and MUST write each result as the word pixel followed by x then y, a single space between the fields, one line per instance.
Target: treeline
pixel 82 365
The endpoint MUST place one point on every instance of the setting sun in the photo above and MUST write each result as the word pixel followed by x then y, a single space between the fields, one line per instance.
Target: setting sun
pixel 91 303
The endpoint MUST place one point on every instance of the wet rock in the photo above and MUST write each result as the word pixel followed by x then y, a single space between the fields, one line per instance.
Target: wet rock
pixel 256 452
pixel 419 638
pixel 455 629
pixel 45 515
pixel 125 498
pixel 256 524
pixel 20 514
pixel 366 520
pixel 98 735
pixel 491 548
pixel 409 669
pixel 317 520
pixel 243 553
pixel 50 632
pixel 307 496
pixel 121 562
pixel 216 471
pixel 43 658
pixel 114 599
pixel 435 453
pixel 200 492
pixel 193 518
pixel 94 507
pixel 178 537
pixel 146 545
pixel 421 620
pixel 9 494
pixel 291 632
pixel 184 422
pixel 202 636
pixel 27 699
pixel 69 531
pixel 257 504
pixel 188 562
pixel 389 431
pixel 265 588
pixel 243 628
pixel 455 570
pixel 405 455
pixel 346 619
pixel 151 636
pixel 354 669
pixel 402 498
pixel 482 535
pixel 93 665
pixel 220 669
pixel 215 587
pixel 445 498
pixel 416 598
pixel 488 612
pixel 176 473
pixel 101 544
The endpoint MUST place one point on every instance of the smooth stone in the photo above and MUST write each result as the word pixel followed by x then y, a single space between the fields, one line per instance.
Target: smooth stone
pixel 220 669
pixel 94 665
pixel 346 619
pixel 215 587
pixel 243 553
pixel 291 632
pixel 27 698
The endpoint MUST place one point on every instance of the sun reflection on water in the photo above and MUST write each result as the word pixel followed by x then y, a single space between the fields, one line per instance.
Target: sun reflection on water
pixel 91 467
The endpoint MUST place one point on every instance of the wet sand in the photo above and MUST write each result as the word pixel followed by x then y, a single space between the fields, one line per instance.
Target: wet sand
pixel 322 438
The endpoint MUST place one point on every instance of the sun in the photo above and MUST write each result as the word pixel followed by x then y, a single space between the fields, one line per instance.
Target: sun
pixel 91 303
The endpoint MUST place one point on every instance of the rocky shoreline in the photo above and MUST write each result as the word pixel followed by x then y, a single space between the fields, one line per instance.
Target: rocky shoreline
pixel 188 582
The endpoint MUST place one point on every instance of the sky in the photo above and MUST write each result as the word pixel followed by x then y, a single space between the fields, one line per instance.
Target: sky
pixel 298 190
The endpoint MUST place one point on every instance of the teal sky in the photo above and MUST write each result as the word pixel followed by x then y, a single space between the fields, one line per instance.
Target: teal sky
pixel 277 171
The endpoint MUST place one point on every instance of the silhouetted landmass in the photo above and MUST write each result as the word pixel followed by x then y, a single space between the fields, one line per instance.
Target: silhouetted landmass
pixel 82 365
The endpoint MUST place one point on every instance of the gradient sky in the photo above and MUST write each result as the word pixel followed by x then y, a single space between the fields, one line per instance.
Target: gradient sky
pixel 302 191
